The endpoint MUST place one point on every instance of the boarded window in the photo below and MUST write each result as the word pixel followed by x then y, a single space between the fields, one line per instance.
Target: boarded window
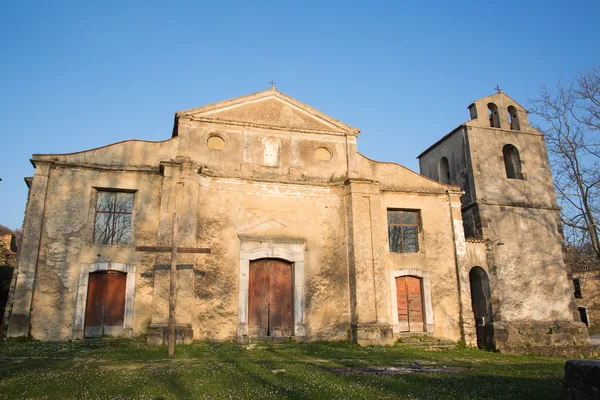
pixel 216 143
pixel 271 152
pixel 403 231
pixel 512 162
pixel 577 287
pixel 114 213
pixel 409 296
pixel 321 153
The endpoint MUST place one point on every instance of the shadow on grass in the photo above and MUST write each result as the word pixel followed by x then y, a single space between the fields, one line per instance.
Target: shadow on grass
pixel 227 370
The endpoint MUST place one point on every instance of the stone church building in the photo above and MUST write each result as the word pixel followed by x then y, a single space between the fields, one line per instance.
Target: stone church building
pixel 308 239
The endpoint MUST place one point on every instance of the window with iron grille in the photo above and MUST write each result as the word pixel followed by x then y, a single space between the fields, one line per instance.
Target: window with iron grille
pixel 403 231
pixel 114 212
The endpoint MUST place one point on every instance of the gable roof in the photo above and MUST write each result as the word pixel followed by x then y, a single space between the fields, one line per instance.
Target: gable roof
pixel 269 109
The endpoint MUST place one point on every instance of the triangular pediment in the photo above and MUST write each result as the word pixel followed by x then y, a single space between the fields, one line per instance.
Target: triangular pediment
pixel 261 227
pixel 270 109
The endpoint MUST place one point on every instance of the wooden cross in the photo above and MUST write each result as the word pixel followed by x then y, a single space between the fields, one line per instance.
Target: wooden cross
pixel 272 83
pixel 173 274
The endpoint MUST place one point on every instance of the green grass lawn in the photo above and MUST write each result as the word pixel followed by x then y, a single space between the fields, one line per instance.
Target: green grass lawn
pixel 132 370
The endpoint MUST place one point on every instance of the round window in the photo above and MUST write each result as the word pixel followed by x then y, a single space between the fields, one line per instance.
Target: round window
pixel 323 154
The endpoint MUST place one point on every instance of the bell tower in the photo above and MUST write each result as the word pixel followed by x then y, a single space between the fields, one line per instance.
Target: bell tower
pixel 511 221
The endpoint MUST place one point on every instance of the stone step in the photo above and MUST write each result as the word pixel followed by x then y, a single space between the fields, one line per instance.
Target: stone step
pixel 268 339
pixel 424 341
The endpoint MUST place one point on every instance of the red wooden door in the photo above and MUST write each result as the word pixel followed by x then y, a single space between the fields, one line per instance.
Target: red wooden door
pixel 410 303
pixel 105 311
pixel 270 301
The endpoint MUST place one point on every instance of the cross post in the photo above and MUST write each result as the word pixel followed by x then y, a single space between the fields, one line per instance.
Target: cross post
pixel 174 250
pixel 272 83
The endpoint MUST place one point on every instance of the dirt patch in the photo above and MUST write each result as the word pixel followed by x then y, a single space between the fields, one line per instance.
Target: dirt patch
pixel 395 370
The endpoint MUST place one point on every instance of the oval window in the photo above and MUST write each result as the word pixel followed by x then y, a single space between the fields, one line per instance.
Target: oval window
pixel 216 143
pixel 322 153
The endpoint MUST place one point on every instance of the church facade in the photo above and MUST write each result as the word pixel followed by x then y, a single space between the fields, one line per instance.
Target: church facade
pixel 284 230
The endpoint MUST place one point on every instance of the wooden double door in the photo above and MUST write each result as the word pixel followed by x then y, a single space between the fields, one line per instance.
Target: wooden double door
pixel 105 309
pixel 409 294
pixel 270 298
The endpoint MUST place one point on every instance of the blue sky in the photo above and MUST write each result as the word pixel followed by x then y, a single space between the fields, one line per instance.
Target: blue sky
pixel 78 75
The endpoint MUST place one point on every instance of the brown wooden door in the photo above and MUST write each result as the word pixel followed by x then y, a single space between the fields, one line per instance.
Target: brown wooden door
pixel 105 310
pixel 410 304
pixel 270 301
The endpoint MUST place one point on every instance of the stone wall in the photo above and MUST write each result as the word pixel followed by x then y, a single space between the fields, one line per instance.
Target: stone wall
pixel 8 261
pixel 590 296
pixel 515 334
pixel 8 250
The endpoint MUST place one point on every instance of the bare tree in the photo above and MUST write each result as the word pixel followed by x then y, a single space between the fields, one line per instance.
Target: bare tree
pixel 569 116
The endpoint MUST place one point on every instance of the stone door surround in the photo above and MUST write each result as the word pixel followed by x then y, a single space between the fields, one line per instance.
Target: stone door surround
pixel 288 249
pixel 82 291
pixel 427 309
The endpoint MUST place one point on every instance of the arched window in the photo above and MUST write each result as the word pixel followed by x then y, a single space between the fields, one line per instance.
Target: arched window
pixel 493 114
pixel 512 162
pixel 513 117
pixel 444 171
pixel 215 142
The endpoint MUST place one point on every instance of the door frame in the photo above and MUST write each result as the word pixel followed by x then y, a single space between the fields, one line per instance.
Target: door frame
pixel 82 291
pixel 287 249
pixel 484 324
pixel 425 294
pixel 104 286
pixel 271 275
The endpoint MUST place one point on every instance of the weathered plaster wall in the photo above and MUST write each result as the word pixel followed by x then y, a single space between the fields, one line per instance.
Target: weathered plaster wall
pixel 522 214
pixel 435 256
pixel 243 153
pixel 531 284
pixel 519 221
pixel 455 148
pixel 67 243
pixel 489 172
pixel 131 153
pixel 230 208
pixel 402 188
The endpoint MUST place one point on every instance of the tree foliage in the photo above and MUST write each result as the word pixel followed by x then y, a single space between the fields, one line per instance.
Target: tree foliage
pixel 569 115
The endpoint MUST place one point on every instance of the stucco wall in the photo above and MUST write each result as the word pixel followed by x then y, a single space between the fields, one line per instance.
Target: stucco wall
pixel 67 243
pixel 229 209
pixel 435 257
